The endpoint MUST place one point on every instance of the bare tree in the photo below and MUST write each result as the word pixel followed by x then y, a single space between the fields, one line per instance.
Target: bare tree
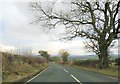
pixel 96 21
pixel 64 55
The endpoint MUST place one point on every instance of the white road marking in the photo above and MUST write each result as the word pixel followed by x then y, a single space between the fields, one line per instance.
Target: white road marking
pixel 60 67
pixel 76 79
pixel 35 76
pixel 65 70
pixel 71 75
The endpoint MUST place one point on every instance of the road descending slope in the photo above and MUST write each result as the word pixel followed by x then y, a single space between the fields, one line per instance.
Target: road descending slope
pixel 62 74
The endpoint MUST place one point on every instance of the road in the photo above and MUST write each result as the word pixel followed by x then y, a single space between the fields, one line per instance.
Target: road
pixel 59 73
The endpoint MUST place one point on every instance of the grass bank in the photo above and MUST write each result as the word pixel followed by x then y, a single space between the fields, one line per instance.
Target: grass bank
pixel 92 65
pixel 17 68
pixel 112 71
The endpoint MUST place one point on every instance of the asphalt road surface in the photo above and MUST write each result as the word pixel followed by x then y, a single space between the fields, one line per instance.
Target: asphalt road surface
pixel 63 74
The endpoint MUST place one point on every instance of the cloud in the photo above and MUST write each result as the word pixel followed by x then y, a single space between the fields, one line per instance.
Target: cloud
pixel 75 47
pixel 5 48
pixel 19 33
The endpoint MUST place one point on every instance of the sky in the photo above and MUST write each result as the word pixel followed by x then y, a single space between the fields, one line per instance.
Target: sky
pixel 16 32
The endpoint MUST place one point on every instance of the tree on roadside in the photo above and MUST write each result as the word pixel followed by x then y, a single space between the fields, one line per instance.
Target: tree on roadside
pixel 95 21
pixel 117 61
pixel 44 54
pixel 55 59
pixel 64 55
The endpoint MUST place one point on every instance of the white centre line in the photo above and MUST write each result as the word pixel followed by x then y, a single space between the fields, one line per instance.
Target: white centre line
pixel 76 79
pixel 60 67
pixel 65 70
pixel 35 76
pixel 70 75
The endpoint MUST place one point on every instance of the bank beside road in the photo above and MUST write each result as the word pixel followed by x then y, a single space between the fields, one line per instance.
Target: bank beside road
pixel 113 72
pixel 17 68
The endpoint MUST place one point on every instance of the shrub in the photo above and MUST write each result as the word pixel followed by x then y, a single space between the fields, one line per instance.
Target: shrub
pixel 19 65
pixel 93 63
pixel 117 61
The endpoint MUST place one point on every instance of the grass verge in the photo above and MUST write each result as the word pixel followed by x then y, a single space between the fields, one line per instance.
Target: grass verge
pixel 25 75
pixel 112 71
pixel 19 67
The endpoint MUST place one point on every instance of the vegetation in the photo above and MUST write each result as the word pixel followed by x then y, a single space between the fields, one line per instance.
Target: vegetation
pixel 55 59
pixel 17 67
pixel 44 54
pixel 91 65
pixel 95 21
pixel 112 71
pixel 117 61
pixel 64 55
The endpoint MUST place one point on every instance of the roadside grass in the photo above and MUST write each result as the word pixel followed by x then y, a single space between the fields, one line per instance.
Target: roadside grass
pixel 16 68
pixel 26 72
pixel 92 66
pixel 112 71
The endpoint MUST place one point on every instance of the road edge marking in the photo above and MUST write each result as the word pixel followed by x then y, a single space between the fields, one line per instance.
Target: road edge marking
pixel 36 76
pixel 75 79
pixel 65 70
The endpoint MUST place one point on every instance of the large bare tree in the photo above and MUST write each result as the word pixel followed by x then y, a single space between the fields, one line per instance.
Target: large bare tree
pixel 97 21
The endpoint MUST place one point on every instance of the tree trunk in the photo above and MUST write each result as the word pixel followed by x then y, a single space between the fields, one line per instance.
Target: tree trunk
pixel 106 60
pixel 100 62
pixel 103 59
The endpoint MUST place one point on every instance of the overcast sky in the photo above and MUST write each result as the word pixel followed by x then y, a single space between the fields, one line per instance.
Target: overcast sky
pixel 17 32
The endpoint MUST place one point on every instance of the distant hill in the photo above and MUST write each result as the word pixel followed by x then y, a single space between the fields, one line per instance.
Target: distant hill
pixel 85 57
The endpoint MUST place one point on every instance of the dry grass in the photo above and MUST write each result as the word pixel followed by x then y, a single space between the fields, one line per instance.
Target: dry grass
pixel 92 65
pixel 15 67
pixel 112 71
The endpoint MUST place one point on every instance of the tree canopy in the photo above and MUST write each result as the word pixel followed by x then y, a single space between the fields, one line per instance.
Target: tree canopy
pixel 44 54
pixel 96 21
pixel 64 55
